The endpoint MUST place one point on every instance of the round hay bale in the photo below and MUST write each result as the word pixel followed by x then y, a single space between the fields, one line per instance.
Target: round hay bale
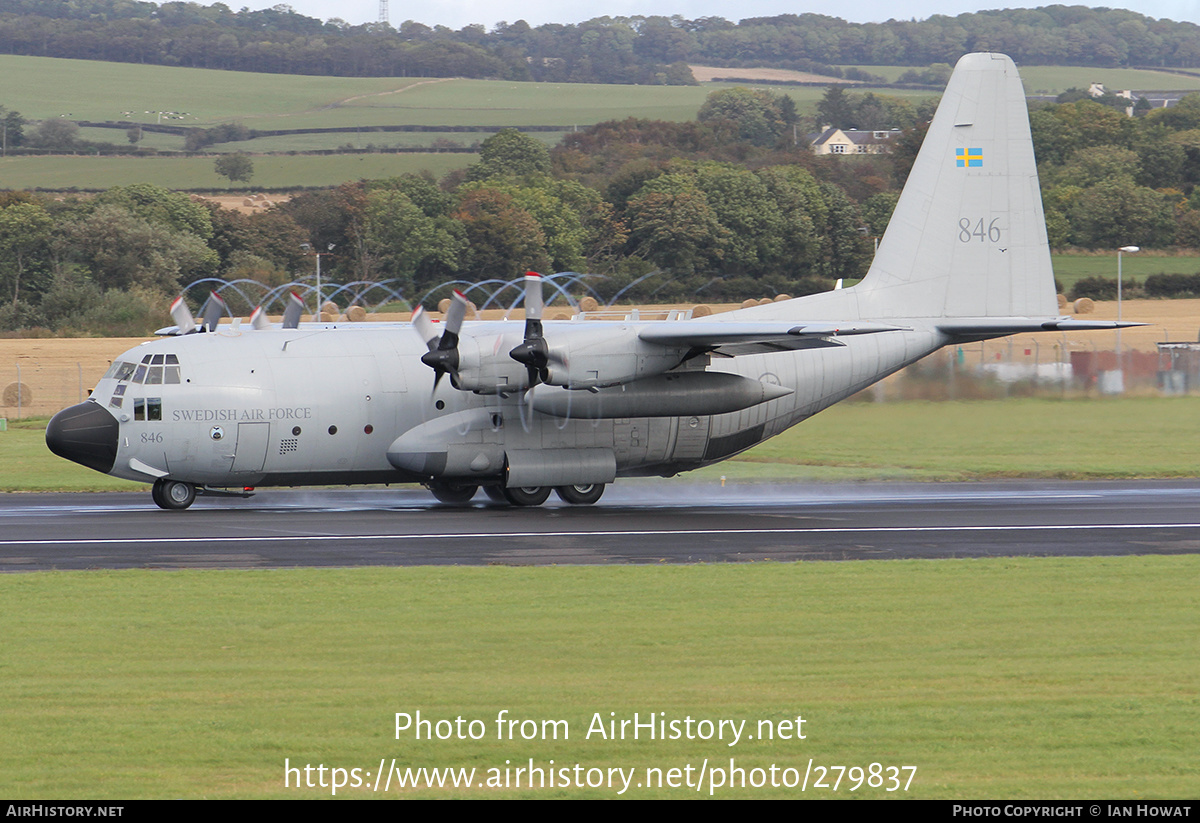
pixel 779 298
pixel 17 392
pixel 356 314
pixel 326 317
pixel 1085 305
pixel 258 196
pixel 766 301
pixel 248 202
pixel 701 311
pixel 749 303
pixel 1062 301
pixel 329 307
pixel 266 204
pixel 562 315
pixel 444 305
pixel 589 303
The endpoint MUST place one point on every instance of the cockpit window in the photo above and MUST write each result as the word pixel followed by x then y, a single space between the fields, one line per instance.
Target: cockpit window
pixel 121 371
pixel 154 370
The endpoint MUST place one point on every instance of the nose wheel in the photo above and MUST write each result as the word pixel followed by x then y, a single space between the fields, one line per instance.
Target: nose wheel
pixel 173 495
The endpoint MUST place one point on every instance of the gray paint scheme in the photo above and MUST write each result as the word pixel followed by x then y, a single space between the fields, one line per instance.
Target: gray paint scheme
pixel 965 257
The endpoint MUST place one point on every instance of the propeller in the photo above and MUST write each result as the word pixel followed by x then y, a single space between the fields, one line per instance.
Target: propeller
pixel 214 310
pixel 442 357
pixel 291 315
pixel 259 319
pixel 182 316
pixel 534 352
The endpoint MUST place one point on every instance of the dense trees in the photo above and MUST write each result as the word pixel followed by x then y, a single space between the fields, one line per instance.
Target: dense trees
pixel 645 50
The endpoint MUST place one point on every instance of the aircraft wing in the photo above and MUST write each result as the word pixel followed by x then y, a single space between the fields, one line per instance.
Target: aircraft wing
pixel 733 338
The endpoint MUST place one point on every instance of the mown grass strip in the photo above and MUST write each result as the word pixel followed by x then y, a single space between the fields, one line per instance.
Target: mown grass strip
pixel 1006 678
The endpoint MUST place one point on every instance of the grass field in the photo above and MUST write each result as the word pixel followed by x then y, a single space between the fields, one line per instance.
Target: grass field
pixel 1006 678
pixel 42 87
pixel 1057 79
pixel 1068 268
pixel 274 171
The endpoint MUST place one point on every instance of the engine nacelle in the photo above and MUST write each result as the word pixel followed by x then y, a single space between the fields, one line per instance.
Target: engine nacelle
pixel 597 355
pixel 485 367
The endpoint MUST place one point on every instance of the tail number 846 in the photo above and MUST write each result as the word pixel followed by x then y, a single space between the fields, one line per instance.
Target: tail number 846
pixel 970 230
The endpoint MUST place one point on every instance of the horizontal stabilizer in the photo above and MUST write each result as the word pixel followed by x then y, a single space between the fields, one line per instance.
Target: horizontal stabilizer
pixel 983 328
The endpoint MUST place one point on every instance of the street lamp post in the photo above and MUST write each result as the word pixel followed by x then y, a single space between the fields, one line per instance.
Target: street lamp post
pixel 1120 356
pixel 317 315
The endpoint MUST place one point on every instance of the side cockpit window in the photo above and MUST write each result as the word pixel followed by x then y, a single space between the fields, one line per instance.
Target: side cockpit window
pixel 148 408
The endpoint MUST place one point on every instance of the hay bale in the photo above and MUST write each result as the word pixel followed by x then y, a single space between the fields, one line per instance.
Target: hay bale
pixel 589 303
pixel 266 204
pixel 1085 305
pixel 444 305
pixel 329 307
pixel 766 301
pixel 562 315
pixel 779 298
pixel 258 196
pixel 15 393
pixel 701 311
pixel 1062 302
pixel 356 314
pixel 326 317
pixel 248 202
pixel 749 303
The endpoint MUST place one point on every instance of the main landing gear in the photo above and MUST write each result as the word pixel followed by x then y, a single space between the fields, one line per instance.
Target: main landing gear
pixel 461 494
pixel 173 495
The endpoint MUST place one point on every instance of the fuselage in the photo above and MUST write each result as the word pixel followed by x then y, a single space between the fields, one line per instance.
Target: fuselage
pixel 354 404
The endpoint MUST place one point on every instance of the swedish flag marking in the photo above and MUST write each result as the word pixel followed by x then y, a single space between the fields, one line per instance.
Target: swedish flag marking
pixel 968 157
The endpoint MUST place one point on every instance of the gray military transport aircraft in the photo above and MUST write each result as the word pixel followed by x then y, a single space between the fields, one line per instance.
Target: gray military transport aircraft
pixel 572 405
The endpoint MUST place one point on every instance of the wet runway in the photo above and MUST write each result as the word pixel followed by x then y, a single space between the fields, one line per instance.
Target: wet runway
pixel 636 522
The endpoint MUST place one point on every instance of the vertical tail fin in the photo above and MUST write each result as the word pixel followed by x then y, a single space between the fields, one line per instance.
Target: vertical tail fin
pixel 968 236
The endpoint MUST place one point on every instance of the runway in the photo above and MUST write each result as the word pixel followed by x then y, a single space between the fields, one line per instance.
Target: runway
pixel 635 523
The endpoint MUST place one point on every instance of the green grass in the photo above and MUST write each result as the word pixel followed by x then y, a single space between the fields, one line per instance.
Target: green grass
pixel 1057 79
pixel 1069 268
pixel 41 87
pixel 275 171
pixel 1132 437
pixel 1007 678
pixel 1115 437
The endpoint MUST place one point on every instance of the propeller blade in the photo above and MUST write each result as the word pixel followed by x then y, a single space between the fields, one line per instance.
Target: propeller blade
pixel 182 317
pixel 291 315
pixel 214 310
pixel 424 328
pixel 533 296
pixel 259 319
pixel 454 318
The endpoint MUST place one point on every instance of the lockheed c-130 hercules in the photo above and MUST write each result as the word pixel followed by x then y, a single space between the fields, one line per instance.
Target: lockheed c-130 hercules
pixel 572 405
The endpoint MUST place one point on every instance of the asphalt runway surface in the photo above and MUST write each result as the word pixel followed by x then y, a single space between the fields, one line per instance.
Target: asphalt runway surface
pixel 635 523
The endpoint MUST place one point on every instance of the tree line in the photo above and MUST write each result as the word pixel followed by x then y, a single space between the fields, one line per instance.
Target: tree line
pixel 641 49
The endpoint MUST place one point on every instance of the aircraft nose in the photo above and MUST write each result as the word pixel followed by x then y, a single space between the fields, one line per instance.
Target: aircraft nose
pixel 85 433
